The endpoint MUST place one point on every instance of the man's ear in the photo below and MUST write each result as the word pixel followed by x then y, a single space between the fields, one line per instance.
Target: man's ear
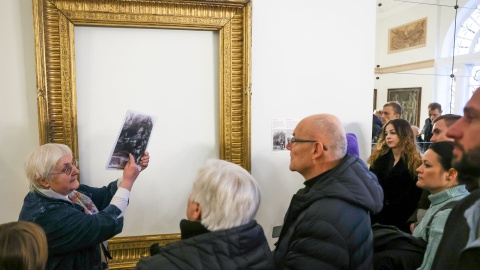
pixel 43 182
pixel 318 150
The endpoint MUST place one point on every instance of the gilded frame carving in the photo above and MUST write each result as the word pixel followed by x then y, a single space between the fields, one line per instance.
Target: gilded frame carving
pixel 54 22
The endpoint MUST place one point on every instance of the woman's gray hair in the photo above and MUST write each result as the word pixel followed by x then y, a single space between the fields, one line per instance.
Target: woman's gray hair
pixel 42 160
pixel 228 195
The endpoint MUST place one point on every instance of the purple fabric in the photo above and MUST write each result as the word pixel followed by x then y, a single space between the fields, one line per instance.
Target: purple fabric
pixel 352 145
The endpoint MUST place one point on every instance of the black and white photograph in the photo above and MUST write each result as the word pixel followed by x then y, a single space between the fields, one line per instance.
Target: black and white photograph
pixel 132 139
pixel 279 140
pixel 281 130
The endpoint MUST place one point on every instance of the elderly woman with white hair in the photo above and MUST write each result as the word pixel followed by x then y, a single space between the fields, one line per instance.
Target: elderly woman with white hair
pixel 220 232
pixel 76 218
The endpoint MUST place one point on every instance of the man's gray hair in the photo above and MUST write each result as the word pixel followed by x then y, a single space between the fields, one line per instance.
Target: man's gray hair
pixel 334 133
pixel 228 195
pixel 42 160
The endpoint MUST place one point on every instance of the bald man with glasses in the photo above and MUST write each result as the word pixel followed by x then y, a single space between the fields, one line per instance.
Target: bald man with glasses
pixel 327 225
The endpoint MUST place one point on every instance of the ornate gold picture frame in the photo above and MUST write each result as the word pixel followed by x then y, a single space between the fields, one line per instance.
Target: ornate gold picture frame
pixel 54 22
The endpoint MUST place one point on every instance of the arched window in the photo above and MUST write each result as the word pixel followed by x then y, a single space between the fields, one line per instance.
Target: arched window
pixel 467 41
pixel 466 50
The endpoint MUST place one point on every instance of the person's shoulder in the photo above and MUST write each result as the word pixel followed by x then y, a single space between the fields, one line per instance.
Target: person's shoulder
pixel 35 200
pixel 381 162
pixel 356 168
pixel 158 261
pixel 458 210
pixel 468 200
pixel 328 208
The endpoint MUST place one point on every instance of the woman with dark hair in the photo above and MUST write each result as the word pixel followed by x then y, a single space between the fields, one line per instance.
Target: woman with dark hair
pixel 394 160
pixel 437 176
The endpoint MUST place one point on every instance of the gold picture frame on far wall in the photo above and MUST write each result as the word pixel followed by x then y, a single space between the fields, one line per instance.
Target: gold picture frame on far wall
pixel 410 99
pixel 54 22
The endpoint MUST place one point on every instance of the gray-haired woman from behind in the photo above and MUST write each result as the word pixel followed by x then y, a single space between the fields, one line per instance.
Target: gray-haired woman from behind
pixel 220 232
pixel 76 218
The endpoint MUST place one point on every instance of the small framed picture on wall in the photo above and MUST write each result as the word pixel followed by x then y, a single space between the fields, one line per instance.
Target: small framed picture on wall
pixel 410 99
pixel 408 36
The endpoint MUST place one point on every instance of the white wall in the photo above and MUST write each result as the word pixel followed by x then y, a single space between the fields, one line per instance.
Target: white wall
pixel 306 59
pixel 18 105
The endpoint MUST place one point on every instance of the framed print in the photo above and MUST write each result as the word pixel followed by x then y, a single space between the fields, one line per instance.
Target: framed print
pixel 408 36
pixel 409 99
pixel 54 23
pixel 374 99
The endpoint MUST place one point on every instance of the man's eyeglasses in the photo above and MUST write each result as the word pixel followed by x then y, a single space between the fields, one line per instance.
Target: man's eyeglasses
pixel 68 168
pixel 293 139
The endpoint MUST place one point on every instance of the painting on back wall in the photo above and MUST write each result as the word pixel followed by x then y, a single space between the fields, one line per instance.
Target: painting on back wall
pixel 408 36
pixel 410 99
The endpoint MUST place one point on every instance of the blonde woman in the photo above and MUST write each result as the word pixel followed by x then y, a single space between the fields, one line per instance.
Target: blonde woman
pixel 394 161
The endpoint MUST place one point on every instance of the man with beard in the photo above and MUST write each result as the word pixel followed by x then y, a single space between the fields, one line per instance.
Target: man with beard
pixel 460 245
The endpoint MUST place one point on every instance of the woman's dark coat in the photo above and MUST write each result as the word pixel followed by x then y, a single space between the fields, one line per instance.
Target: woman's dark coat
pixel 74 236
pixel 401 194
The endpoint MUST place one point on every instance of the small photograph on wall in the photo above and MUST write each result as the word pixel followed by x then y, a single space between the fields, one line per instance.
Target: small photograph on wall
pixel 282 129
pixel 408 36
pixel 409 99
pixel 132 139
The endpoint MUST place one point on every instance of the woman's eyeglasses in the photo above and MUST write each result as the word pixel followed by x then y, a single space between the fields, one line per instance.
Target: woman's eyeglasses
pixel 68 168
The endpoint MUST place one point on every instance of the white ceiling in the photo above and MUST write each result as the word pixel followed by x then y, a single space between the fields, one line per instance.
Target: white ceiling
pixel 392 6
pixel 386 8
pixel 387 5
